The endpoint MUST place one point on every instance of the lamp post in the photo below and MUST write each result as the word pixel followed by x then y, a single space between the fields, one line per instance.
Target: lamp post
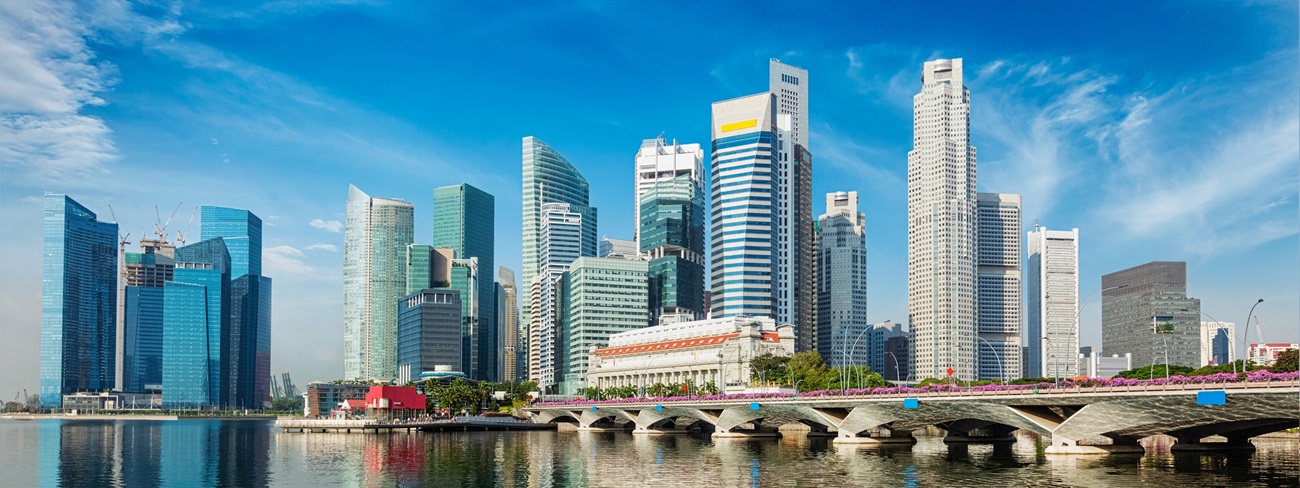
pixel 897 376
pixel 1074 327
pixel 1245 335
pixel 847 374
pixel 1220 326
pixel 796 389
pixel 1002 369
pixel 645 372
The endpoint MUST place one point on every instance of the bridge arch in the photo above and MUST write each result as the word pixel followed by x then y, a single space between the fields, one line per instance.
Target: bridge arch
pixel 775 415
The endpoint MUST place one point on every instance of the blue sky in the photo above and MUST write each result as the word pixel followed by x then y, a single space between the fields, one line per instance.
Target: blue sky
pixel 1164 131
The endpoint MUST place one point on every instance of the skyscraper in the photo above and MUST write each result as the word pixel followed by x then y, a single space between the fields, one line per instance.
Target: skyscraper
pixel 149 268
pixel 842 286
pixel 198 360
pixel 601 297
pixel 465 280
pixel 656 161
pixel 78 301
pixel 672 237
pixel 941 226
pixel 610 247
pixel 1052 302
pixel 376 233
pixel 744 191
pixel 250 303
pixel 795 291
pixel 429 326
pixel 516 344
pixel 242 232
pixel 464 221
pixel 562 235
pixel 1145 312
pixel 1218 343
pixel 998 285
pixel 427 267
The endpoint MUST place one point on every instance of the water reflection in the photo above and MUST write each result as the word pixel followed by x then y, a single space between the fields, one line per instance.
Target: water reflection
pixel 244 453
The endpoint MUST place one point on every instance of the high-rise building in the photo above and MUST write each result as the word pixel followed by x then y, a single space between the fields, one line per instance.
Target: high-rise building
pixel 657 161
pixel 561 238
pixel 516 344
pixel 941 226
pixel 376 233
pixel 1145 312
pixel 142 350
pixel 795 291
pixel 465 280
pixel 1052 302
pixel 149 268
pixel 428 332
pixel 610 247
pixel 888 345
pixel 198 362
pixel 250 322
pixel 743 234
pixel 78 301
pixel 427 267
pixel 998 285
pixel 600 297
pixel 842 282
pixel 464 221
pixel 1218 343
pixel 672 237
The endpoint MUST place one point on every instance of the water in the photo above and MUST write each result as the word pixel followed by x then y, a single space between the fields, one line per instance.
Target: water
pixel 252 453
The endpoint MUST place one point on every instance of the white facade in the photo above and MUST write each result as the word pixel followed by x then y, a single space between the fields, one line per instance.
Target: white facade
pixel 842 282
pixel 789 88
pixel 998 285
pixel 1052 302
pixel 1265 354
pixel 617 248
pixel 656 161
pixel 1094 365
pixel 376 232
pixel 560 243
pixel 941 226
pixel 717 350
pixel 1218 343
pixel 743 192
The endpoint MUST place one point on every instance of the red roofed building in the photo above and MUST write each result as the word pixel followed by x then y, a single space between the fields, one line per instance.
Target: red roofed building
pixel 394 402
pixel 701 351
pixel 1265 354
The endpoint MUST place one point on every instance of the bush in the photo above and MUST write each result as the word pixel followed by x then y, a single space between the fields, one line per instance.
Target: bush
pixel 1286 362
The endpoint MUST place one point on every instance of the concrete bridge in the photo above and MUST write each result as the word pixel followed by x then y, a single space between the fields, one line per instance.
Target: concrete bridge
pixel 1087 420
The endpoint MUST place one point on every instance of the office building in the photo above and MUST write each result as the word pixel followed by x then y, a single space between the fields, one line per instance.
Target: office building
pixel 149 268
pixel 376 233
pixel 941 226
pixel 464 221
pixel 561 239
pixel 795 292
pixel 610 247
pixel 549 178
pixel 657 161
pixel 142 350
pixel 427 267
pixel 600 297
pixel 1218 343
pixel 249 339
pixel 998 285
pixel 672 237
pixel 465 280
pixel 78 301
pixel 842 281
pixel 888 346
pixel 429 326
pixel 516 343
pixel 197 361
pixel 1093 365
pixel 1052 302
pixel 242 233
pixel 1145 312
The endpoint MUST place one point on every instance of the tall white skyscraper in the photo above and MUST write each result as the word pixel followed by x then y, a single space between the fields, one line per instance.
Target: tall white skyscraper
pixel 376 232
pixel 743 231
pixel 561 237
pixel 842 283
pixel 998 285
pixel 795 290
pixel 658 160
pixel 1052 302
pixel 941 226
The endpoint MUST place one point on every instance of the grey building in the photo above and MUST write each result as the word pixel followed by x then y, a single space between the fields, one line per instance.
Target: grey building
pixel 997 285
pixel 428 332
pixel 842 281
pixel 890 363
pixel 1145 312
pixel 617 248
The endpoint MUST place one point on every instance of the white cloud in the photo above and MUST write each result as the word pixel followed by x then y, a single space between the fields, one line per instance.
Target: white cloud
pixel 320 246
pixel 284 260
pixel 327 225
pixel 842 152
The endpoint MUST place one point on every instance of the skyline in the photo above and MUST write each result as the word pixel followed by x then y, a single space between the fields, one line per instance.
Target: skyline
pixel 235 111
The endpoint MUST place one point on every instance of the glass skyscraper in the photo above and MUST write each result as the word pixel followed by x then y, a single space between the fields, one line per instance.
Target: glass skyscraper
pixel 142 355
pixel 242 232
pixel 464 221
pixel 842 323
pixel 250 304
pixel 78 301
pixel 198 361
pixel 428 332
pixel 672 236
pixel 465 281
pixel 600 297
pixel 376 233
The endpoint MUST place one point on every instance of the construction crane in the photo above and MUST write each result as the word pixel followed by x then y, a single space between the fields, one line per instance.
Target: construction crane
pixel 180 236
pixel 160 227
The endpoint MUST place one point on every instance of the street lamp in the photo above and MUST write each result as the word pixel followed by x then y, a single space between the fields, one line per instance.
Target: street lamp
pixel 796 389
pixel 1220 326
pixel 897 375
pixel 851 352
pixel 1245 335
pixel 1002 369
pixel 1074 328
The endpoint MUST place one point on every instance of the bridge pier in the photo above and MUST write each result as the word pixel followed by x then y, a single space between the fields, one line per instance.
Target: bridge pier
pixel 1232 444
pixel 1120 445
pixel 875 437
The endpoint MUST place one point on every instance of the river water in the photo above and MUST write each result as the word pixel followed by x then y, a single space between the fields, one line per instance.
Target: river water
pixel 251 453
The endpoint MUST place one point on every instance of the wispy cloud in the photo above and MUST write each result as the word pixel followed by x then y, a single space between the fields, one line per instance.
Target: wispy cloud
pixel 866 164
pixel 327 225
pixel 320 246
pixel 285 261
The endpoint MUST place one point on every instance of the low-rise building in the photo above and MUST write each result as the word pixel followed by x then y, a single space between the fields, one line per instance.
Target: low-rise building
pixel 394 402
pixel 1093 365
pixel 702 351
pixel 1265 354
pixel 322 396
pixel 87 402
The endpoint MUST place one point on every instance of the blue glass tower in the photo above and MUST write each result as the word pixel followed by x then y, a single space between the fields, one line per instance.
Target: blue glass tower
pixel 196 327
pixel 249 338
pixel 242 232
pixel 78 301
pixel 464 221
pixel 144 339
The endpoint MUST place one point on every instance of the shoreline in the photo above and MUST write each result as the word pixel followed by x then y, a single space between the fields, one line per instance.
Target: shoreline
pixel 159 417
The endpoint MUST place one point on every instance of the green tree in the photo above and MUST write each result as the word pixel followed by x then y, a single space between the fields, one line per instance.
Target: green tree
pixel 710 388
pixel 591 393
pixel 287 404
pixel 808 371
pixel 15 407
pixel 769 368
pixel 1156 371
pixel 855 377
pixel 1286 362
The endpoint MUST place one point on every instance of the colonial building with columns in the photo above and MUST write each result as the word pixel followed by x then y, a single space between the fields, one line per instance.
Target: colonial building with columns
pixel 717 350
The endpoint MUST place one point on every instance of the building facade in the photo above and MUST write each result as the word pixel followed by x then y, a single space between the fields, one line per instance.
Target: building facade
pixel 1052 302
pixel 464 221
pixel 657 161
pixel 1218 343
pixel 242 233
pixel 376 233
pixel 672 237
pixel 249 339
pixel 795 295
pixel 1266 354
pixel 550 178
pixel 610 247
pixel 151 267
pixel 941 226
pixel 562 236
pixel 890 351
pixel 142 351
pixel 78 301
pixel 1145 312
pixel 600 297
pixel 428 332
pixel 842 282
pixel 998 284
pixel 704 351
pixel 1093 365
pixel 321 396
pixel 427 267
pixel 514 364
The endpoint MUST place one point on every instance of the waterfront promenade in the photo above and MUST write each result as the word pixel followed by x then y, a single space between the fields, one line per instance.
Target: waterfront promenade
pixel 463 423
